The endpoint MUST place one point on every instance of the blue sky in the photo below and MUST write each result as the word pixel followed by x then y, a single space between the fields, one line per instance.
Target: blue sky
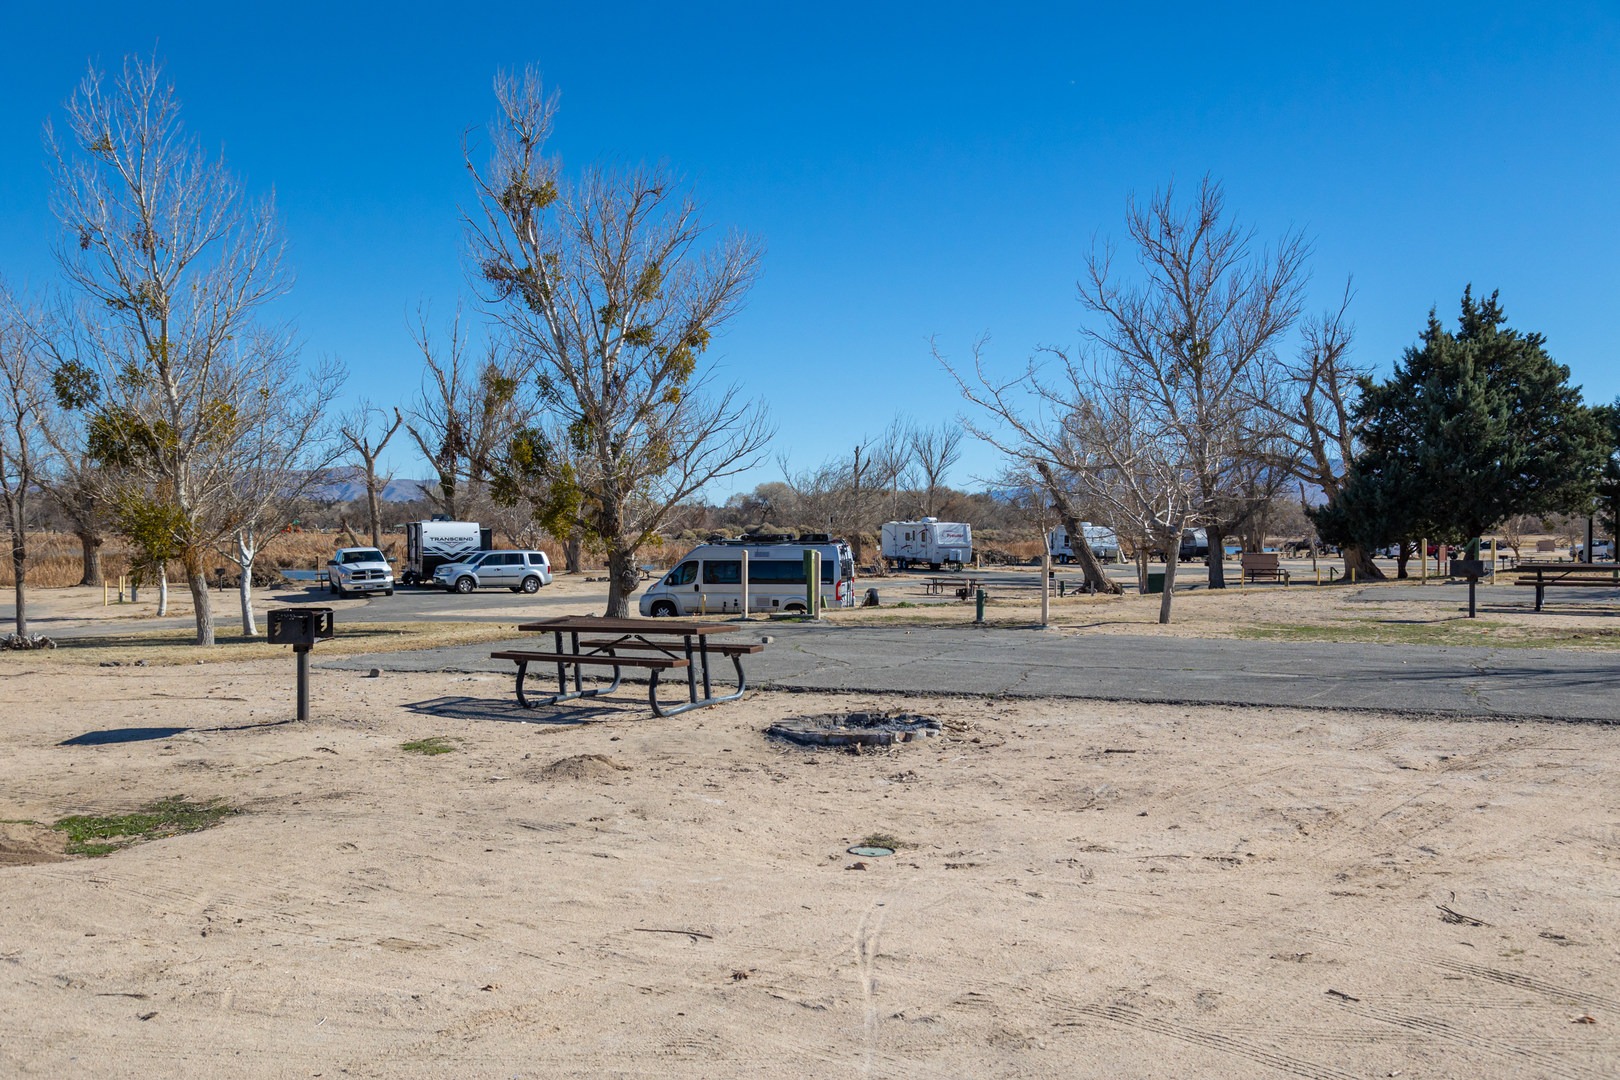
pixel 913 170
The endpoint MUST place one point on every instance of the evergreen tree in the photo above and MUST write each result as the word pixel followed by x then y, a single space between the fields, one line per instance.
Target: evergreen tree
pixel 1473 427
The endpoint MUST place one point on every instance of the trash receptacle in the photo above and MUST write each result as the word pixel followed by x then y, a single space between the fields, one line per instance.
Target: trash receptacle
pixel 871 598
pixel 1155 581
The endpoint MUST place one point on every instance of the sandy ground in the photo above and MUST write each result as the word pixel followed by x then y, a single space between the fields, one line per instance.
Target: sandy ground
pixel 1080 889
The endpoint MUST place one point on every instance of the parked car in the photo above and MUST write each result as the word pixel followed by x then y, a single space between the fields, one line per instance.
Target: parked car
pixel 520 571
pixel 1602 551
pixel 359 570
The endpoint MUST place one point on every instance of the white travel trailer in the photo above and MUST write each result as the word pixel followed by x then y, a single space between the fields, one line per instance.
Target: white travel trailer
pixel 709 579
pixel 1103 541
pixel 429 544
pixel 930 541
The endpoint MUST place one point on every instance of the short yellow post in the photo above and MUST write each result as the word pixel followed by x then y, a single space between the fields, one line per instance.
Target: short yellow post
pixel 1352 575
pixel 1319 575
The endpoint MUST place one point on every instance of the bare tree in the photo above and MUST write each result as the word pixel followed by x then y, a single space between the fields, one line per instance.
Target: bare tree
pixel 1314 399
pixel 366 432
pixel 176 263
pixel 466 413
pixel 1040 424
pixel 26 413
pixel 935 450
pixel 1191 334
pixel 603 283
pixel 282 453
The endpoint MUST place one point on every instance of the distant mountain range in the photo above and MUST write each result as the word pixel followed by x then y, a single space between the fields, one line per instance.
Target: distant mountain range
pixel 346 484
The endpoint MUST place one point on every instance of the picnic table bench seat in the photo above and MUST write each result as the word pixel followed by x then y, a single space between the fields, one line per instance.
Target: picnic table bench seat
pixel 718 648
pixel 524 657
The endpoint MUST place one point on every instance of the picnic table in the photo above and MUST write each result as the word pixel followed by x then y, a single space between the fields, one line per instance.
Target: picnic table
pixel 963 587
pixel 1543 576
pixel 655 645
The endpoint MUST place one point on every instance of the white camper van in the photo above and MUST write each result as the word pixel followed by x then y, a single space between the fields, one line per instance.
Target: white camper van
pixel 429 544
pixel 930 541
pixel 1103 541
pixel 708 580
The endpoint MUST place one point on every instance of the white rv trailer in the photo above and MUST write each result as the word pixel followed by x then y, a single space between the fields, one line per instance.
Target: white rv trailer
pixel 1103 541
pixel 708 579
pixel 429 544
pixel 929 542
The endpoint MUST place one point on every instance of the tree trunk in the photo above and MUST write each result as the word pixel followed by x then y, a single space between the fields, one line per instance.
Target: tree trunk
pixel 623 580
pixel 1171 551
pixel 1090 566
pixel 1141 569
pixel 573 553
pixel 163 590
pixel 90 549
pixel 197 579
pixel 245 552
pixel 19 570
pixel 1217 556
pixel 1359 559
pixel 373 512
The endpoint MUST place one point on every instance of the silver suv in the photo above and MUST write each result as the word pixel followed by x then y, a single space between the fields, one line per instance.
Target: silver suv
pixel 520 571
pixel 359 570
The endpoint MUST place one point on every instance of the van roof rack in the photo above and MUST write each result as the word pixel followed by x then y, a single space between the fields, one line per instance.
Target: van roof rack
pixel 771 538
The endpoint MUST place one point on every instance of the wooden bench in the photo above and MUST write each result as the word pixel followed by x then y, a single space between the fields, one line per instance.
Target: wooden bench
pixel 655 664
pixel 717 648
pixel 1262 564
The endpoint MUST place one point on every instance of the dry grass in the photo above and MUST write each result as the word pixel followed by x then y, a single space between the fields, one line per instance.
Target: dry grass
pixel 167 648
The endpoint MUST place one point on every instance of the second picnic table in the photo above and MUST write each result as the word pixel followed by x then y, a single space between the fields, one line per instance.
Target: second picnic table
pixel 1551 575
pixel 657 645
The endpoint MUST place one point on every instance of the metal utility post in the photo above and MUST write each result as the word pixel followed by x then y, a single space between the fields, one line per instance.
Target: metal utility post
pixel 745 584
pixel 1046 587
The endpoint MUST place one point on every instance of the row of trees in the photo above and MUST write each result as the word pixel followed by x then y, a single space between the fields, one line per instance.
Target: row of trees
pixel 158 400
pixel 1185 406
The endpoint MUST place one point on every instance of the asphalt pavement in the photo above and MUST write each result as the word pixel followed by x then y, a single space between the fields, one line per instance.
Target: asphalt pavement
pixel 1503 683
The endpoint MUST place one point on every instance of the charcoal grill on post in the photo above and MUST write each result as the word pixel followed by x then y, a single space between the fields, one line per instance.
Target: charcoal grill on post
pixel 1471 570
pixel 301 627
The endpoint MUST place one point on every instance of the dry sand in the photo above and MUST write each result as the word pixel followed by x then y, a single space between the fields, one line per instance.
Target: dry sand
pixel 1081 889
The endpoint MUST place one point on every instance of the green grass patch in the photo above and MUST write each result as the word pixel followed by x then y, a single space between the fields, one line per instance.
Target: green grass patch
pixel 436 744
pixel 90 834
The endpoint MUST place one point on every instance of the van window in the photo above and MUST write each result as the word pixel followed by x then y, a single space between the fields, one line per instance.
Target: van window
pixel 684 574
pixel 722 571
pixel 775 572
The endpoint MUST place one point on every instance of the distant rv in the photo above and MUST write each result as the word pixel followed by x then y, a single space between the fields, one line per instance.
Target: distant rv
pixel 1102 540
pixel 929 542
pixel 430 544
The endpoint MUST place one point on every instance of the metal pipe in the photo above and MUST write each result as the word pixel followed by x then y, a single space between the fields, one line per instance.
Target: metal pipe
pixel 302 651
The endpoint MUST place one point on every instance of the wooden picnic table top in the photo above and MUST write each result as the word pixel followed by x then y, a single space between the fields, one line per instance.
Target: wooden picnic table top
pixel 601 624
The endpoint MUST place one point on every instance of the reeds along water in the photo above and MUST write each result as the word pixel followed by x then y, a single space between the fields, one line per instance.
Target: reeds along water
pixel 55 560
